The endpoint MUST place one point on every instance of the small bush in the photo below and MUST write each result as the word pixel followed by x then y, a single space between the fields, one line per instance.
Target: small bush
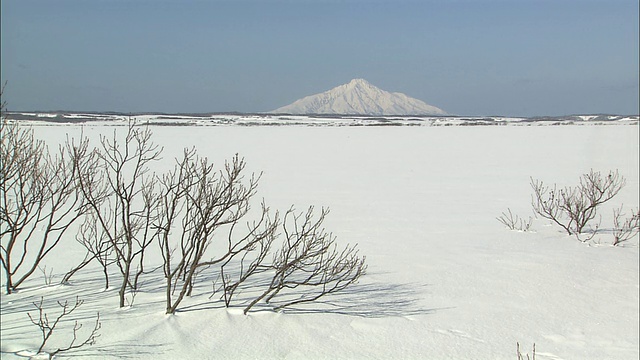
pixel 48 325
pixel 514 222
pixel 573 208
pixel 625 229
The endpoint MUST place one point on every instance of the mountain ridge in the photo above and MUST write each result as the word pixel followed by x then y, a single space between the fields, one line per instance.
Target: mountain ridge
pixel 359 97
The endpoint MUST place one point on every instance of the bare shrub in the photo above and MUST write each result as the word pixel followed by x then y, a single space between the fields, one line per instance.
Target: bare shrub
pixel 93 185
pixel 196 202
pixel 248 254
pixel 199 205
pixel 127 208
pixel 310 260
pixel 514 222
pixel 573 208
pixel 625 229
pixel 39 200
pixel 48 325
pixel 122 197
pixel 98 246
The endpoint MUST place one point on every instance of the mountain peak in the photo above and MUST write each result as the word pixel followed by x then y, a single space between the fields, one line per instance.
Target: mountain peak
pixel 359 97
pixel 359 82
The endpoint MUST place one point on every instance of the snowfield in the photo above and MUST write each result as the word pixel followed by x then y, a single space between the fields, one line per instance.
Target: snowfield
pixel 445 279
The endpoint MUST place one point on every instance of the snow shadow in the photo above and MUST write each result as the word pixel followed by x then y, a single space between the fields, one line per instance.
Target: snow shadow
pixel 121 350
pixel 367 298
pixel 371 300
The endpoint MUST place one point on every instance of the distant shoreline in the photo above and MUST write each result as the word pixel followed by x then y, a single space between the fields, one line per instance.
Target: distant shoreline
pixel 263 119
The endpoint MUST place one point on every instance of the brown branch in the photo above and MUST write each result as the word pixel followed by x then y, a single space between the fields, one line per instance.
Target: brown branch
pixel 47 327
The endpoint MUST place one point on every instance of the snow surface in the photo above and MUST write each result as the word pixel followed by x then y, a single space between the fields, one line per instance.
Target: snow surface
pixel 446 280
pixel 359 97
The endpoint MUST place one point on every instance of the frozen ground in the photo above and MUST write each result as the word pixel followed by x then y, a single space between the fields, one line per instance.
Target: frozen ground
pixel 446 280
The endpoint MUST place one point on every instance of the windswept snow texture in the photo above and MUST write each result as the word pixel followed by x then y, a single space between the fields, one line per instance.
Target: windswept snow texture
pixel 445 281
pixel 359 97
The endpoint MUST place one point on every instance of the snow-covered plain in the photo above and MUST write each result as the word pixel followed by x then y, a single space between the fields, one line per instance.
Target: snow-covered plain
pixel 445 280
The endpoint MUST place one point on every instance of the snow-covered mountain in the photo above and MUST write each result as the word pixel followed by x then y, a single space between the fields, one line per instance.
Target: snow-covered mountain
pixel 359 97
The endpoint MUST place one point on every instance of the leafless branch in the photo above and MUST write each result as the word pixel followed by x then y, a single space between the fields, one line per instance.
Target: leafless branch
pixel 309 261
pixel 121 194
pixel 523 357
pixel 514 222
pixel 39 200
pixel 47 326
pixel 48 277
pixel 195 203
pixel 625 229
pixel 577 204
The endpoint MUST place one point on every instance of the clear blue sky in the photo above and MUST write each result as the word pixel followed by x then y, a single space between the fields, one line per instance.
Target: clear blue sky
pixel 468 57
